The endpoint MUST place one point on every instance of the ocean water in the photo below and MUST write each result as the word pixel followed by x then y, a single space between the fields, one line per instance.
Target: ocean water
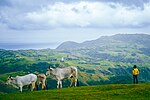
pixel 24 46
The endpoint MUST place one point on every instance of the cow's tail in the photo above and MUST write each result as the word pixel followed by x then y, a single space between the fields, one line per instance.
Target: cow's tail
pixel 77 82
pixel 76 73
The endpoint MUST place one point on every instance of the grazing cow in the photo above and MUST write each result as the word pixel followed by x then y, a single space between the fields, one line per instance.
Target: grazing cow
pixel 41 79
pixel 20 81
pixel 63 73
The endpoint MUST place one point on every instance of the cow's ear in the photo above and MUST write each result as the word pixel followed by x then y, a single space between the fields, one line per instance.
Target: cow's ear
pixel 9 76
pixel 51 69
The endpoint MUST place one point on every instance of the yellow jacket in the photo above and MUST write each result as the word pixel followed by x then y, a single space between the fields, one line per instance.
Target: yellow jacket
pixel 135 71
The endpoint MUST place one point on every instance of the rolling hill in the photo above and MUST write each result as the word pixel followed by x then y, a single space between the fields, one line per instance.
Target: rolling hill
pixel 106 60
pixel 112 56
pixel 115 40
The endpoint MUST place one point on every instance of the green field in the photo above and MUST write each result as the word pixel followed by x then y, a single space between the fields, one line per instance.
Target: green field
pixel 102 92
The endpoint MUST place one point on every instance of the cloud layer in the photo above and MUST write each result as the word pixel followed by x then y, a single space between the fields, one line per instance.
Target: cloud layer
pixel 25 15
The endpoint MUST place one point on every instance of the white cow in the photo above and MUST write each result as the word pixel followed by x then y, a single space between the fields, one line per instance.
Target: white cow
pixel 63 73
pixel 20 81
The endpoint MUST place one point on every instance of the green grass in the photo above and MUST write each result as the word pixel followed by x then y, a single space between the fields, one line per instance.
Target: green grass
pixel 102 92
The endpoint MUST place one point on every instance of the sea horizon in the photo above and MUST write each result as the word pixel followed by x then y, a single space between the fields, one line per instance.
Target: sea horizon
pixel 25 46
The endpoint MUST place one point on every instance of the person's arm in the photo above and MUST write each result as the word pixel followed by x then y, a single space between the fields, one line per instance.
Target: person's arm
pixel 133 72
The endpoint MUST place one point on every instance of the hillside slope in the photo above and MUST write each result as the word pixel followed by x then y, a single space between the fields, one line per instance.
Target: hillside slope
pixel 103 92
pixel 122 39
pixel 112 56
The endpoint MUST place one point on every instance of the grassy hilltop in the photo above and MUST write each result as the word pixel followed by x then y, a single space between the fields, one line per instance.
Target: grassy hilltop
pixel 102 92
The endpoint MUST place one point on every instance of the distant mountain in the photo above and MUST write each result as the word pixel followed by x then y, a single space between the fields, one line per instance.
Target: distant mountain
pixel 67 45
pixel 143 39
pixel 119 39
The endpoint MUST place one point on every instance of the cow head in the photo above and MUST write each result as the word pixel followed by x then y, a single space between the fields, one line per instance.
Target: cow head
pixel 9 80
pixel 49 70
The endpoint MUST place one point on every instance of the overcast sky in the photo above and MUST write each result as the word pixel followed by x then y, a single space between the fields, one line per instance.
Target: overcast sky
pixel 56 21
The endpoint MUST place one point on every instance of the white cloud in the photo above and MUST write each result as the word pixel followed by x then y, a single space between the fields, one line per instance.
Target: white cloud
pixel 24 15
pixel 89 14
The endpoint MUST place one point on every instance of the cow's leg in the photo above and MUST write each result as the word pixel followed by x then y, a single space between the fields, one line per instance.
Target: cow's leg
pixel 20 88
pixel 58 84
pixel 29 86
pixel 46 85
pixel 33 86
pixel 71 83
pixel 43 85
pixel 37 85
pixel 75 81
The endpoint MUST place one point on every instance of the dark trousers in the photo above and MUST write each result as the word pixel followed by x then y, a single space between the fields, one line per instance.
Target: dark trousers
pixel 135 80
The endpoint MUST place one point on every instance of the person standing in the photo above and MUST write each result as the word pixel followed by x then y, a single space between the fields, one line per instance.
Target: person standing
pixel 135 73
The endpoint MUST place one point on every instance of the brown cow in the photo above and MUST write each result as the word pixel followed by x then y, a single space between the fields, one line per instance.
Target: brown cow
pixel 41 79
